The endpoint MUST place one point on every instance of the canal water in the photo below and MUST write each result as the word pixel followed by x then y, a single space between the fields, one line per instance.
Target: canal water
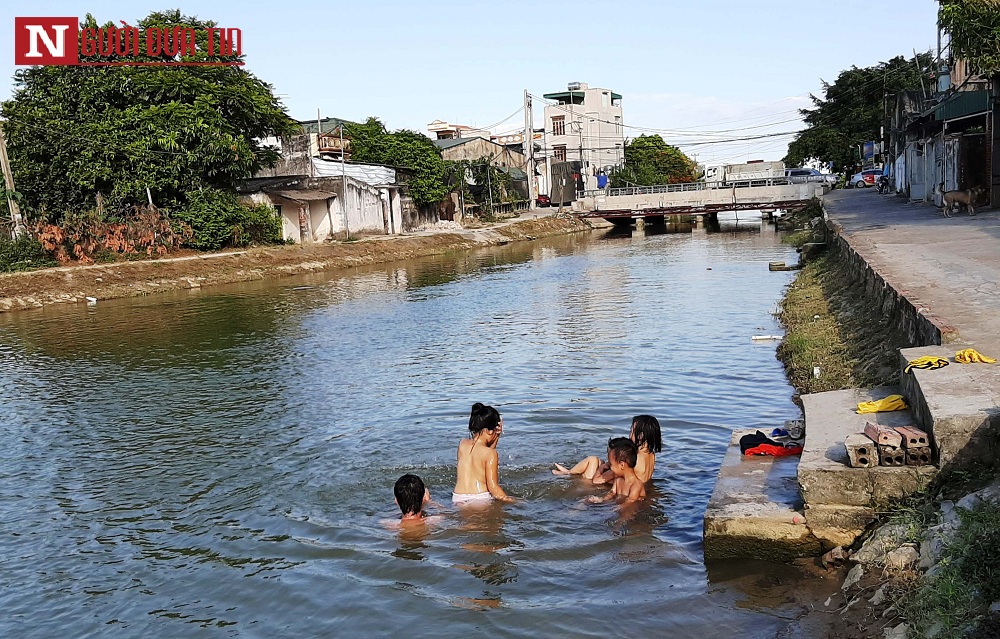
pixel 219 463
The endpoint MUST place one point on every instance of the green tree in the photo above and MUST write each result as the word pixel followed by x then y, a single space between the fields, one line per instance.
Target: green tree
pixel 371 142
pixel 74 132
pixel 649 160
pixel 974 27
pixel 853 109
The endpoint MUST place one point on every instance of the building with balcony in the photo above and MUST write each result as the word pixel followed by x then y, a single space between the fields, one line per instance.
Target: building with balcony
pixel 585 125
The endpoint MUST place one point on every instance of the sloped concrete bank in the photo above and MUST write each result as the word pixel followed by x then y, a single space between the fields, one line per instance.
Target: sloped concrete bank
pixel 918 572
pixel 915 324
pixel 74 284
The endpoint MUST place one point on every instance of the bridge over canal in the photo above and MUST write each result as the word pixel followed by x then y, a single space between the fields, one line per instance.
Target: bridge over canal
pixel 697 198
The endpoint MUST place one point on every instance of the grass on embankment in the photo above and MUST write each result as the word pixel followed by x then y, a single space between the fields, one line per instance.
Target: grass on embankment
pixel 812 335
pixel 829 324
pixel 956 599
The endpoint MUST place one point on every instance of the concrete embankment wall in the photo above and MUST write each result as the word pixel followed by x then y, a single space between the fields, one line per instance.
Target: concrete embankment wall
pixel 958 404
pixel 916 326
pixel 72 285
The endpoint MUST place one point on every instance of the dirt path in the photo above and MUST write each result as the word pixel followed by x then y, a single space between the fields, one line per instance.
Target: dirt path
pixel 74 284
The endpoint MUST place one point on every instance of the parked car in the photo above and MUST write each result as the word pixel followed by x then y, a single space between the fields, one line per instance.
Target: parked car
pixel 865 178
pixel 543 200
pixel 810 175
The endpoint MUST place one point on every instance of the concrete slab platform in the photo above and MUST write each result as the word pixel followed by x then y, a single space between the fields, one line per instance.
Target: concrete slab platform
pixel 823 474
pixel 959 405
pixel 838 525
pixel 755 510
pixel 840 501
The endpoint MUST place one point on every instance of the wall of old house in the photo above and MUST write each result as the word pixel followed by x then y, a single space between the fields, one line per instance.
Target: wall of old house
pixel 296 158
pixel 365 213
pixel 369 210
pixel 479 148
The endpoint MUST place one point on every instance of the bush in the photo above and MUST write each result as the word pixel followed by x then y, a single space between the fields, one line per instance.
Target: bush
pixel 22 254
pixel 218 219
pixel 256 224
pixel 89 236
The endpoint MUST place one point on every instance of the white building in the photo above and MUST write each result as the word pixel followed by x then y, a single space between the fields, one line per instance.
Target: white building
pixel 441 130
pixel 585 125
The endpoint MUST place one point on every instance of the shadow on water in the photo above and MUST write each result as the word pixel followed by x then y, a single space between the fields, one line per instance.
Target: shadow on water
pixel 729 222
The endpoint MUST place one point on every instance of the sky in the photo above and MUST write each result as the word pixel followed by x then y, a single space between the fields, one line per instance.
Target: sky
pixel 691 70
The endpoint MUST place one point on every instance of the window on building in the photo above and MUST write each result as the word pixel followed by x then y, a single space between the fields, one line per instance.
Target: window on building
pixel 277 210
pixel 559 153
pixel 618 124
pixel 559 125
pixel 604 100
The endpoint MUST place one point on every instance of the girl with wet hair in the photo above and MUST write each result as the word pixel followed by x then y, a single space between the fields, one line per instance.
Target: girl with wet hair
pixel 478 462
pixel 645 433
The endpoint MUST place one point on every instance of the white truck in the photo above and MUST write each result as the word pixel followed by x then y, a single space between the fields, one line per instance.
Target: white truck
pixel 723 174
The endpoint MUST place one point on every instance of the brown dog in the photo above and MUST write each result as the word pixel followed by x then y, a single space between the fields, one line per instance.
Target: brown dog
pixel 951 199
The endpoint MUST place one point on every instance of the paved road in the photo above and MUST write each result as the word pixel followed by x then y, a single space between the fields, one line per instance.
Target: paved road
pixel 951 266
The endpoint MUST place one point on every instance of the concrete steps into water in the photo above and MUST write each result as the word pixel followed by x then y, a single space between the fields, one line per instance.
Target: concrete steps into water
pixel 757 506
pixel 840 501
pixel 959 405
pixel 756 509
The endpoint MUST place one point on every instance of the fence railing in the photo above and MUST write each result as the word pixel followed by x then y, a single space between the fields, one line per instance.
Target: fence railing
pixel 687 186
pixel 500 209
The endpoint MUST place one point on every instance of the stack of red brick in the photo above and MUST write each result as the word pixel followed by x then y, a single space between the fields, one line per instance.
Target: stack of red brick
pixel 882 445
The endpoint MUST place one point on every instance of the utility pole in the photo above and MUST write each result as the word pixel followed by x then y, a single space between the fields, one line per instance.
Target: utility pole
pixel 548 159
pixel 529 150
pixel 17 228
pixel 319 134
pixel 489 183
pixel 343 177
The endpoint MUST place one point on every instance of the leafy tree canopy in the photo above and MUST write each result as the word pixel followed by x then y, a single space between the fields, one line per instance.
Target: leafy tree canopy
pixel 974 27
pixel 649 161
pixel 77 131
pixel 371 142
pixel 853 109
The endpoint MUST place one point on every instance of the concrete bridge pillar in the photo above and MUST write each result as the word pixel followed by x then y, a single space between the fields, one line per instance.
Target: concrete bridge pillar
pixel 639 221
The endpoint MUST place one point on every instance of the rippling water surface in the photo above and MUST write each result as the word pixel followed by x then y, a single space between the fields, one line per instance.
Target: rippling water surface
pixel 219 463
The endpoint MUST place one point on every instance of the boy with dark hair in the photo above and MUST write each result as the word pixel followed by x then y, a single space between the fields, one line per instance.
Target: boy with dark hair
pixel 622 455
pixel 411 495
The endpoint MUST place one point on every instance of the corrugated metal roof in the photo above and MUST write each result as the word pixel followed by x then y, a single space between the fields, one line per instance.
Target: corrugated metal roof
pixel 370 174
pixel 962 104
pixel 303 195
pixel 453 142
pixel 329 124
pixel 514 172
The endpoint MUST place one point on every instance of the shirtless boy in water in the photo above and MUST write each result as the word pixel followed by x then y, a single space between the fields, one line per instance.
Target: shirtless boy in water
pixel 478 461
pixel 622 453
pixel 411 495
pixel 645 432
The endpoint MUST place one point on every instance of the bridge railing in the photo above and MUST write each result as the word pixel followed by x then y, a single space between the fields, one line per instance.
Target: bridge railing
pixel 686 186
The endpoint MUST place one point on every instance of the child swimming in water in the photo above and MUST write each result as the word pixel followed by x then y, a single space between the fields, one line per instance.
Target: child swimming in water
pixel 622 455
pixel 478 473
pixel 645 434
pixel 411 495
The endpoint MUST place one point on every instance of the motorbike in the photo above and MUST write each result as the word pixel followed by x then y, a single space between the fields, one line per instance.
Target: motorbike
pixel 882 184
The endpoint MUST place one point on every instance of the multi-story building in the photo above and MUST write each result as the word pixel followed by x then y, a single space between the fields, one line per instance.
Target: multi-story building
pixel 584 125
